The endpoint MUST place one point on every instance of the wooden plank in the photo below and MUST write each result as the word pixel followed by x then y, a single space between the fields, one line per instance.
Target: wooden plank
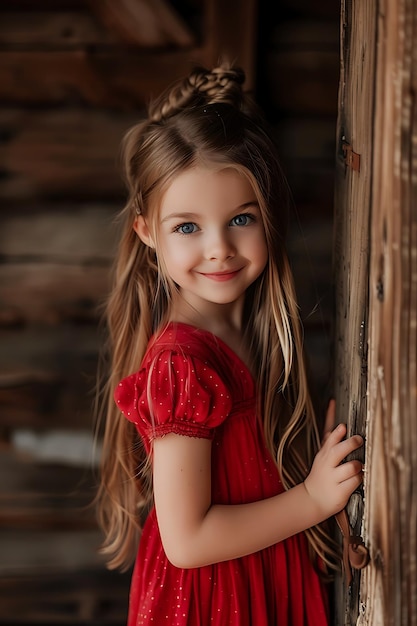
pixel 51 29
pixel 48 377
pixel 388 592
pixel 82 596
pixel 45 495
pixel 118 78
pixel 77 233
pixel 61 154
pixel 51 292
pixel 47 349
pixel 61 402
pixel 351 245
pixel 145 23
pixel 108 78
pixel 61 550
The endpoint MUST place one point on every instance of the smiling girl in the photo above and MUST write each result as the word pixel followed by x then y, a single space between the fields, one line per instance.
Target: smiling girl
pixel 211 452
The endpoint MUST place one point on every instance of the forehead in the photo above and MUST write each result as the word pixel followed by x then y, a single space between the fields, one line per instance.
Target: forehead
pixel 203 187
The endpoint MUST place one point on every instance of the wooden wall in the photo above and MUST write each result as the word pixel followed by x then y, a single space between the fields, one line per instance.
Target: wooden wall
pixel 74 75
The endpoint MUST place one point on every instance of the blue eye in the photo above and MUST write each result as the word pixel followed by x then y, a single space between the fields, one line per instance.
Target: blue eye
pixel 186 229
pixel 242 220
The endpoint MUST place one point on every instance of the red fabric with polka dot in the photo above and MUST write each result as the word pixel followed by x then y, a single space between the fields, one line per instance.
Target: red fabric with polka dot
pixel 191 383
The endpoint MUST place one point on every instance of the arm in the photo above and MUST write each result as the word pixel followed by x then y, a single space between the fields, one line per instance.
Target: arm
pixel 195 533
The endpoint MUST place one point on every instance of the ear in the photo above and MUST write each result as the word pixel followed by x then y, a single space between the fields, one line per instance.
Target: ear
pixel 141 229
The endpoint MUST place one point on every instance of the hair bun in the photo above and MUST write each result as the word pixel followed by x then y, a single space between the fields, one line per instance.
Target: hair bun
pixel 201 87
pixel 221 84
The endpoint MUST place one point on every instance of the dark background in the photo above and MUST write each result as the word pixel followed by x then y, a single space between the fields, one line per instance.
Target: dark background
pixel 73 78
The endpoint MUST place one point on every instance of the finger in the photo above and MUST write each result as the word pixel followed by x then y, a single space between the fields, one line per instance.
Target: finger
pixel 334 437
pixel 347 470
pixel 351 484
pixel 341 450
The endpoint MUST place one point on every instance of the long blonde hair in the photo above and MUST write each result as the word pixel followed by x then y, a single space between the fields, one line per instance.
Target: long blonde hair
pixel 206 117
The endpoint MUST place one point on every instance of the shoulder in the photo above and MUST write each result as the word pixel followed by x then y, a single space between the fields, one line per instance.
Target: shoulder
pixel 184 339
pixel 178 383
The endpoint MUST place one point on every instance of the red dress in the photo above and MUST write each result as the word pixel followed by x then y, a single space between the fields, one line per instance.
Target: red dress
pixel 200 388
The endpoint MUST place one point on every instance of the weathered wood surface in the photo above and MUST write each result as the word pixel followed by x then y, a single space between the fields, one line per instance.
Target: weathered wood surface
pixel 351 244
pixel 379 120
pixel 388 589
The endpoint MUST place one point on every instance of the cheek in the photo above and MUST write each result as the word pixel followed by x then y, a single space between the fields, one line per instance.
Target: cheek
pixel 177 254
pixel 261 251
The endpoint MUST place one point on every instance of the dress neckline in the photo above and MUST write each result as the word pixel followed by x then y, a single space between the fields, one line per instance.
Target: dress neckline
pixel 222 344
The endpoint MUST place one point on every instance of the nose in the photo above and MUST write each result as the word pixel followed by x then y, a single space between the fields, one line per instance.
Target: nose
pixel 220 246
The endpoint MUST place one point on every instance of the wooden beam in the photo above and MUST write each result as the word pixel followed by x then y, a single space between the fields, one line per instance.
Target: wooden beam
pixel 351 245
pixel 388 592
pixel 57 30
pixel 111 78
pixel 144 23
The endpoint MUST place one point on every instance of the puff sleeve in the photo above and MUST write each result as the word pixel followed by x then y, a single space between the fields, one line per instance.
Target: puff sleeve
pixel 175 393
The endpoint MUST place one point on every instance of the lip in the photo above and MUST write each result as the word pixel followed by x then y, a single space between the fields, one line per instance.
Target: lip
pixel 220 276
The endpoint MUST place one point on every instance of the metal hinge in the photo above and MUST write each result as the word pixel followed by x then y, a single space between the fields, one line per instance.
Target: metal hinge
pixel 352 159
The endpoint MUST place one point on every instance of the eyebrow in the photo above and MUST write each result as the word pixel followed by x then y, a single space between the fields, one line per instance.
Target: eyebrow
pixel 187 215
pixel 177 216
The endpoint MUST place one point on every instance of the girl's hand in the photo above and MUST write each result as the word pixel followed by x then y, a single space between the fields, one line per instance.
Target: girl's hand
pixel 330 482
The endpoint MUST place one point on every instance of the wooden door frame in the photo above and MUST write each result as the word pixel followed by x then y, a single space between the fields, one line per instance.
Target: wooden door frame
pixel 376 276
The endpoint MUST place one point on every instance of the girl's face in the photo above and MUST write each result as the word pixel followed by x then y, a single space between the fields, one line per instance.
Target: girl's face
pixel 211 237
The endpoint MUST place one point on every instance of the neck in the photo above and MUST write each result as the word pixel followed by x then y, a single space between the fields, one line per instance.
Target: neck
pixel 224 321
pixel 218 319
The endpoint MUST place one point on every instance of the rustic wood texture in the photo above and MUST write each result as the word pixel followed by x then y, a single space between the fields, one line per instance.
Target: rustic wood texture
pixel 388 589
pixel 376 219
pixel 351 244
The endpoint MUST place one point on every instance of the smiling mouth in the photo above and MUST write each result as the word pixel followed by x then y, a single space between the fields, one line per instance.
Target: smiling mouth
pixel 221 276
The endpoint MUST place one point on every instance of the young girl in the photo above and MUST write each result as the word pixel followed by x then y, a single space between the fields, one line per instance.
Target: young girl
pixel 211 446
